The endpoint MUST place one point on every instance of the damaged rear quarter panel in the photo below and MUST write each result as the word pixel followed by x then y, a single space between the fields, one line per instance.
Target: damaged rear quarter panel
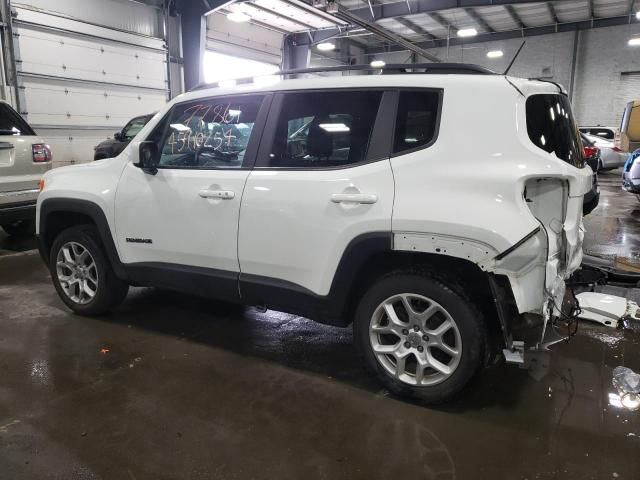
pixel 469 187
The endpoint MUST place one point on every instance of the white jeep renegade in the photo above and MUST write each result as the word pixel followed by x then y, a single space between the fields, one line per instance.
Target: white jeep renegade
pixel 440 214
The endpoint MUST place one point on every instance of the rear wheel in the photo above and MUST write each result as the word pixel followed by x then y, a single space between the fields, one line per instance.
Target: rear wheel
pixel 82 274
pixel 21 228
pixel 421 337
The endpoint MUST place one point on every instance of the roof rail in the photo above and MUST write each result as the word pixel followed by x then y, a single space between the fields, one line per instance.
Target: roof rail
pixel 392 68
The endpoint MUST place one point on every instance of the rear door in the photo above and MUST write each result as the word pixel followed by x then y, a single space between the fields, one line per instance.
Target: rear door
pixel 322 178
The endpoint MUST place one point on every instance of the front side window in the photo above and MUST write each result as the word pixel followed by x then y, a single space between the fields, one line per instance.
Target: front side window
pixel 416 121
pixel 11 123
pixel 551 127
pixel 324 129
pixel 210 133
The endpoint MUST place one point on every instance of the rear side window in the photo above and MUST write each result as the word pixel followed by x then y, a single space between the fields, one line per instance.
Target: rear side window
pixel 551 127
pixel 416 121
pixel 601 132
pixel 11 123
pixel 324 129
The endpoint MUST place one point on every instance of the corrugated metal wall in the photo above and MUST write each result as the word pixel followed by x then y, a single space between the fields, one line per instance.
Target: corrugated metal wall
pixel 80 82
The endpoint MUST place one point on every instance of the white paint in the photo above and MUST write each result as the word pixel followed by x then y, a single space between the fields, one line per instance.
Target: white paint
pixel 605 309
pixel 186 228
pixel 290 229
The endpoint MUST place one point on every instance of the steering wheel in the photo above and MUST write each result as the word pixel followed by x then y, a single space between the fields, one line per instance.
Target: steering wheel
pixel 222 157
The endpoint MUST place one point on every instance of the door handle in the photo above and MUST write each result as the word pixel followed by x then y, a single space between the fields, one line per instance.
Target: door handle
pixel 221 194
pixel 7 146
pixel 364 198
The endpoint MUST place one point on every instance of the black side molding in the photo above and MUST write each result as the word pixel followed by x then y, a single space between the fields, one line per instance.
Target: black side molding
pixel 331 309
pixel 200 281
pixel 517 245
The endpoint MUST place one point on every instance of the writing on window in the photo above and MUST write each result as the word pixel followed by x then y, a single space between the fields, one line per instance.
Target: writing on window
pixel 209 134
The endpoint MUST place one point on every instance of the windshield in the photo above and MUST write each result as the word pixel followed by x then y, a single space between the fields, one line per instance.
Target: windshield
pixel 133 127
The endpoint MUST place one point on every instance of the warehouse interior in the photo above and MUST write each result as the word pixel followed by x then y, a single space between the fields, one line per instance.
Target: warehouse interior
pixel 172 384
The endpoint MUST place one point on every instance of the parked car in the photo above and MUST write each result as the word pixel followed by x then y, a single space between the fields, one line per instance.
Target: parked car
pixel 611 156
pixel 359 219
pixel 608 133
pixel 631 174
pixel 113 146
pixel 24 158
pixel 629 138
pixel 592 157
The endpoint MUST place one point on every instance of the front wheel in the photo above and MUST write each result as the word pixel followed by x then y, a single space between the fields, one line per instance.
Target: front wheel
pixel 82 274
pixel 421 337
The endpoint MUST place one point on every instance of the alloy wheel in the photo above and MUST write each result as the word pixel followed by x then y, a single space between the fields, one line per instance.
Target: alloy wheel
pixel 415 339
pixel 77 273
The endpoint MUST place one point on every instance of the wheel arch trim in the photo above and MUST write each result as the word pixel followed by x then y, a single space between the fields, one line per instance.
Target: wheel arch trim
pixel 84 207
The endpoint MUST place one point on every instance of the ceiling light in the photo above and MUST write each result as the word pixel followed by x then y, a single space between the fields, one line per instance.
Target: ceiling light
pixel 334 127
pixel 326 46
pixel 238 17
pixel 634 42
pixel 178 127
pixel 467 32
pixel 378 63
pixel 638 14
pixel 495 53
pixel 630 401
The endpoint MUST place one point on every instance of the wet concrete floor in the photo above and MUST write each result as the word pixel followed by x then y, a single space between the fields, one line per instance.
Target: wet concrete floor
pixel 174 387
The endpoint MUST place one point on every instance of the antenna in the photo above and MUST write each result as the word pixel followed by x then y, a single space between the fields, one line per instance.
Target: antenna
pixel 514 57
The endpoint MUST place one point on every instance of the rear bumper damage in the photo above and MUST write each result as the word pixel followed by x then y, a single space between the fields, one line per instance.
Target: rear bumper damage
pixel 538 266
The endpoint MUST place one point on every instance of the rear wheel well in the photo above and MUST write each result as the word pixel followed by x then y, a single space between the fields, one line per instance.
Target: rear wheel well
pixel 450 270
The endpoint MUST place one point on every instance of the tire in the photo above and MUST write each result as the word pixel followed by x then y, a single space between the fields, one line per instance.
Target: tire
pixel 600 168
pixel 108 290
pixel 21 228
pixel 439 303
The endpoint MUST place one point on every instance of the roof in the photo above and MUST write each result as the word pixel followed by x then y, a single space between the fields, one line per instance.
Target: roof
pixel 436 80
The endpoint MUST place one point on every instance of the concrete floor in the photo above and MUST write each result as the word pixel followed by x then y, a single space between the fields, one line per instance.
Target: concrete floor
pixel 176 387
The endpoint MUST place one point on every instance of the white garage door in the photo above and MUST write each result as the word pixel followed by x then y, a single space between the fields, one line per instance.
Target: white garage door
pixel 79 83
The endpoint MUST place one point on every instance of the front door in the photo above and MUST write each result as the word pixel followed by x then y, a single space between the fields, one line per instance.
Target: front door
pixel 182 222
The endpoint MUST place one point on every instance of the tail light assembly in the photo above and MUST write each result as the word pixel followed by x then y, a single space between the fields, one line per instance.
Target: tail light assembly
pixel 589 152
pixel 41 153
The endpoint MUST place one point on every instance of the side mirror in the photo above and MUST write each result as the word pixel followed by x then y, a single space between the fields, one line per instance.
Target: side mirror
pixel 118 136
pixel 148 157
